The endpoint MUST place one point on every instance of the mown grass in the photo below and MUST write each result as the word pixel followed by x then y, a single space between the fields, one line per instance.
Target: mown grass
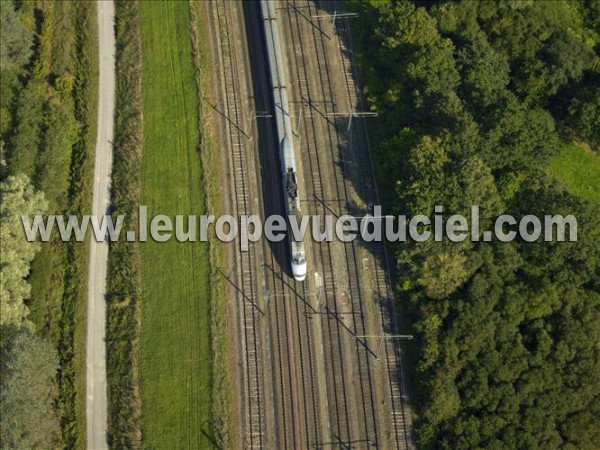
pixel 174 352
pixel 578 170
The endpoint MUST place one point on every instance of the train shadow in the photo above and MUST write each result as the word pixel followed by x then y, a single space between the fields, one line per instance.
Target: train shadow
pixel 268 143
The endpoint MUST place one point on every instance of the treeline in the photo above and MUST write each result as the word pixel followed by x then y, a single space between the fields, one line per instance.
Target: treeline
pixel 28 361
pixel 124 407
pixel 474 98
pixel 47 133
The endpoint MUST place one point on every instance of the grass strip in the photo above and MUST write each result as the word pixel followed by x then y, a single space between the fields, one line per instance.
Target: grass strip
pixel 175 342
pixel 124 408
pixel 212 179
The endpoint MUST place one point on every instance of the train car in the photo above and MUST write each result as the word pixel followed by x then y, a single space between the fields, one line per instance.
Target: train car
pixel 284 133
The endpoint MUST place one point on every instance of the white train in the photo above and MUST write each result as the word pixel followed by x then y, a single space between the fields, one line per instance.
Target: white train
pixel 284 132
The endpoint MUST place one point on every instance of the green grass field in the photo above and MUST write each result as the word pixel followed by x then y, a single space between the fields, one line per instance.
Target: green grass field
pixel 578 170
pixel 174 356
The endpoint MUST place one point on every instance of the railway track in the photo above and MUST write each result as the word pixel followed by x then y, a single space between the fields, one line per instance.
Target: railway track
pixel 339 365
pixel 318 101
pixel 285 322
pixel 288 329
pixel 322 255
pixel 288 311
pixel 363 353
pixel 381 268
pixel 244 281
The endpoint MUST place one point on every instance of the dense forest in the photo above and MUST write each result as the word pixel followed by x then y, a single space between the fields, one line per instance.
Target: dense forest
pixel 475 100
pixel 47 130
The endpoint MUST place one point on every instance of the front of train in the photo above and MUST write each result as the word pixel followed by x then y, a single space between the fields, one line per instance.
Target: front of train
pixel 298 261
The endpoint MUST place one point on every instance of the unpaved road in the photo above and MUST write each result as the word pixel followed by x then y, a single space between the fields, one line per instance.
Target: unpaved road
pixel 96 399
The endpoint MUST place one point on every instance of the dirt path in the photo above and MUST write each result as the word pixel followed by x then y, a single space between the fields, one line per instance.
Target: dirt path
pixel 96 398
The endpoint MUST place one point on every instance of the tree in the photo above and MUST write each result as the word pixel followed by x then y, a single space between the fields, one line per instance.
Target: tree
pixel 27 416
pixel 519 137
pixel 484 72
pixel 15 39
pixel 506 332
pixel 443 273
pixel 54 155
pixel 17 198
pixel 9 85
pixel 27 129
pixel 584 114
pixel 566 56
